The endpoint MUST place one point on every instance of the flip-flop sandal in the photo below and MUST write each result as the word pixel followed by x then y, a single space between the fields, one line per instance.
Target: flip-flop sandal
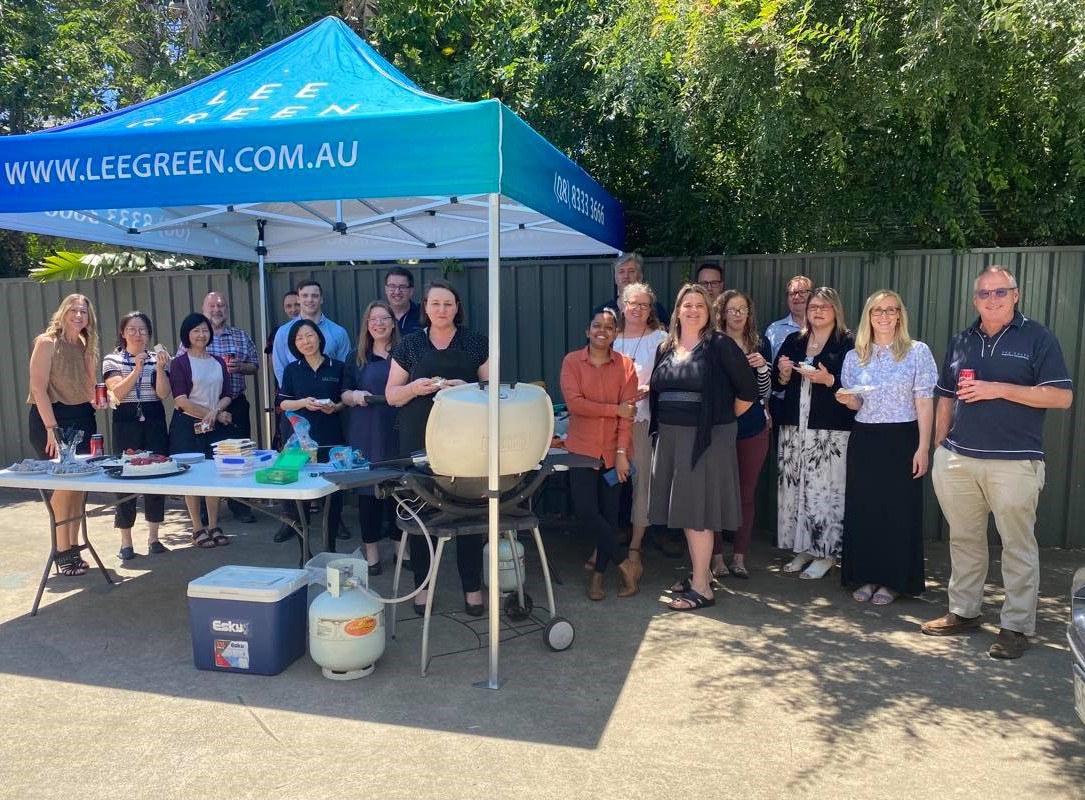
pixel 695 601
pixel 220 539
pixel 202 539
pixel 720 572
pixel 863 593
pixel 884 598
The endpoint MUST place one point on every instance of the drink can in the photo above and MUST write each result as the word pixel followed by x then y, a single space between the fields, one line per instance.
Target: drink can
pixel 100 396
pixel 229 362
pixel 966 375
pixel 97 445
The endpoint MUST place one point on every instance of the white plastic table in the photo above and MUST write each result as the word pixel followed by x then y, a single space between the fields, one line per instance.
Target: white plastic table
pixel 201 479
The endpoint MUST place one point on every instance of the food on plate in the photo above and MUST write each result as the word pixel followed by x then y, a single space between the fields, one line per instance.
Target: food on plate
pixel 148 465
pixel 73 468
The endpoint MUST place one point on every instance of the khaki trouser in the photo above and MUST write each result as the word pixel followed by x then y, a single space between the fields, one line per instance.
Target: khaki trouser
pixel 969 489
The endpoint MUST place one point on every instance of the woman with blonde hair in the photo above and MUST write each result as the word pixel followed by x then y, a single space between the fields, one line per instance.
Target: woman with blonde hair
pixel 63 366
pixel 735 317
pixel 700 385
pixel 889 380
pixel 813 437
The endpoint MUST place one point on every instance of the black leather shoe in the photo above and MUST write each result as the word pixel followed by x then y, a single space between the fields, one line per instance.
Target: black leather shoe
pixel 375 569
pixel 342 534
pixel 244 515
pixel 474 609
pixel 285 533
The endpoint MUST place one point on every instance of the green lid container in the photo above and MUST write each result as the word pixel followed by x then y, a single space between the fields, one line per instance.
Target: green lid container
pixel 292 458
pixel 276 475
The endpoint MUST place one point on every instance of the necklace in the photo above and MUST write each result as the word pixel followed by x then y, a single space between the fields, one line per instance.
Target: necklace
pixel 636 347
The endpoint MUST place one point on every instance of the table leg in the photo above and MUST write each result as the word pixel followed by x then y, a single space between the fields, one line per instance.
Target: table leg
pixel 53 546
pixel 303 533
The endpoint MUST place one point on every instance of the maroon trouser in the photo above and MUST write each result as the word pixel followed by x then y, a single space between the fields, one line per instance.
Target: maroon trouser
pixel 751 458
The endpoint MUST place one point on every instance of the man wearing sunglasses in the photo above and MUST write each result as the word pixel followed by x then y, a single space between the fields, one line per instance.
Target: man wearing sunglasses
pixel 999 377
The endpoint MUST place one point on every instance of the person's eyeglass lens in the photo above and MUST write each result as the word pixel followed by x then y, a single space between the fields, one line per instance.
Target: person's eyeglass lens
pixel 396 287
pixel 380 320
pixel 640 306
pixel 1001 292
pixel 800 293
pixel 738 312
pixel 136 331
pixel 883 312
pixel 818 307
pixel 711 284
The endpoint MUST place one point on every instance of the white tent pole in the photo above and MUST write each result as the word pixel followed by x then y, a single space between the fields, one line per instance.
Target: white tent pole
pixel 493 432
pixel 263 382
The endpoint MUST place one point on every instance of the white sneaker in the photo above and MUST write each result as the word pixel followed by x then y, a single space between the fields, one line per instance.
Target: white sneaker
pixel 798 562
pixel 818 569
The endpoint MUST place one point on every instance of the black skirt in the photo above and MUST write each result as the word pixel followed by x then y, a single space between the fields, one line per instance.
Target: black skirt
pixel 883 509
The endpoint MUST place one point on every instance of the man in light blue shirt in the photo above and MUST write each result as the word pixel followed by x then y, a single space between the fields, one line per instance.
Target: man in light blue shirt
pixel 336 338
pixel 798 292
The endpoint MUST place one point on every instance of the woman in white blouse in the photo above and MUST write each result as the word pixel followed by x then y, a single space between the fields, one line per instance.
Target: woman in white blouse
pixel 889 380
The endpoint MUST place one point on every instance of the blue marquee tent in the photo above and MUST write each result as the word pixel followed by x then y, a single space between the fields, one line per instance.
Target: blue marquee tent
pixel 315 149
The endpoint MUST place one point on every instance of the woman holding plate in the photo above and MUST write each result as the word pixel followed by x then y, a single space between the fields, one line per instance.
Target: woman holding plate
pixel 814 431
pixel 889 380
pixel 136 378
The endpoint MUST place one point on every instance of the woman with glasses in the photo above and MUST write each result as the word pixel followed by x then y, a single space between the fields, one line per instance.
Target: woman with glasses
pixel 136 379
pixel 371 421
pixel 735 317
pixel 813 437
pixel 889 380
pixel 62 369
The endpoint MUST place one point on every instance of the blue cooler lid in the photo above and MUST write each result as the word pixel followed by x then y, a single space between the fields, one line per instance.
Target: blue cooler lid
pixel 251 584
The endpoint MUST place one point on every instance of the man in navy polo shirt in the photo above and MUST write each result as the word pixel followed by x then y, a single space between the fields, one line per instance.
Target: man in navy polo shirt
pixel 629 268
pixel 989 456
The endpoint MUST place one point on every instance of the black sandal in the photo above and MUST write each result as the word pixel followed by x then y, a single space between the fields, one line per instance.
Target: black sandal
pixel 695 600
pixel 202 539
pixel 219 538
pixel 68 564
pixel 78 559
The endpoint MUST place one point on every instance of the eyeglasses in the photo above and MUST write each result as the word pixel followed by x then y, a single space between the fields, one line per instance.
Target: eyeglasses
pixel 397 287
pixel 711 284
pixel 136 331
pixel 1001 292
pixel 819 307
pixel 883 312
pixel 638 306
pixel 380 320
pixel 738 312
pixel 800 293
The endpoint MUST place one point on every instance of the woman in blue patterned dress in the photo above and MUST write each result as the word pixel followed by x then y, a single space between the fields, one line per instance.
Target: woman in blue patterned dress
pixel 889 380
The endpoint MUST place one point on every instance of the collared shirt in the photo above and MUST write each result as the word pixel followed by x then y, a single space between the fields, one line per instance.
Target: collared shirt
pixel 336 344
pixel 778 331
pixel 592 393
pixel 301 380
pixel 899 383
pixel 411 321
pixel 235 342
pixel 1024 353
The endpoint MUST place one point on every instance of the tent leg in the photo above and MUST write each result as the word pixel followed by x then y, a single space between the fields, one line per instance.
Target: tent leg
pixel 493 438
pixel 263 381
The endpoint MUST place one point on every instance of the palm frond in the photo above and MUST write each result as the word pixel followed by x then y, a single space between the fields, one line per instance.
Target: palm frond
pixel 67 266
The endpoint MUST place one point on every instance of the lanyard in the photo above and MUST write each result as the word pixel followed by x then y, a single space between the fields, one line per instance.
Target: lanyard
pixel 139 385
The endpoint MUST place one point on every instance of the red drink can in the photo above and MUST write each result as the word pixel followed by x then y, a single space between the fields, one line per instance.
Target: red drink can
pixel 229 358
pixel 97 445
pixel 966 375
pixel 100 396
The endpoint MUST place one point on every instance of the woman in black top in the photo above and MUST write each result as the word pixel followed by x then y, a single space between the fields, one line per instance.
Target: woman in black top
pixel 701 383
pixel 311 389
pixel 813 436
pixel 439 356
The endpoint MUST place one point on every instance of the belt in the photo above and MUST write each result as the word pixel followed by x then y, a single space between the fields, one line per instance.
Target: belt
pixel 680 397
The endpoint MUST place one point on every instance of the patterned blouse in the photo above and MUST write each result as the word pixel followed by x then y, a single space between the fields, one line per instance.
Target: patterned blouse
pixel 899 383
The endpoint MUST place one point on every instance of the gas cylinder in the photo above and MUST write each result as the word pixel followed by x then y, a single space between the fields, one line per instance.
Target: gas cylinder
pixel 346 623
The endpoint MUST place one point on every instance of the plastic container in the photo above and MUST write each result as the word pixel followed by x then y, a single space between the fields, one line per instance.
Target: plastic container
pixel 248 619
pixel 276 475
pixel 294 459
pixel 238 466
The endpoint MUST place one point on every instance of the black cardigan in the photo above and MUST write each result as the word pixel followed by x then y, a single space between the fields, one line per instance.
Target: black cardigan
pixel 728 376
pixel 825 413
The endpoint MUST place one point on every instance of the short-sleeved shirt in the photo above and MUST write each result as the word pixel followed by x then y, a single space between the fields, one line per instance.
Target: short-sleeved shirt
pixel 234 342
pixel 899 383
pixel 336 344
pixel 121 364
pixel 1024 353
pixel 301 380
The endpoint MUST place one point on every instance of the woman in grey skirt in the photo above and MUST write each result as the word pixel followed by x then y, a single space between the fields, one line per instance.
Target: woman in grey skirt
pixel 700 385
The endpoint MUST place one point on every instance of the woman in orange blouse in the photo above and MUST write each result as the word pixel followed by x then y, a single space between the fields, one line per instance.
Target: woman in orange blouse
pixel 600 389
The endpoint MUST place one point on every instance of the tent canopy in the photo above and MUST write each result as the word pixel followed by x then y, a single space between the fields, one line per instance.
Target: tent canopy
pixel 343 155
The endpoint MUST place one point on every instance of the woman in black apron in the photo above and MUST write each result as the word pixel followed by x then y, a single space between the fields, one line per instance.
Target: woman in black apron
pixel 441 355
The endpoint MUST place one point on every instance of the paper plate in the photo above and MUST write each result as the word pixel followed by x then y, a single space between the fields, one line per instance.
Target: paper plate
pixel 860 389
pixel 802 366
pixel 188 458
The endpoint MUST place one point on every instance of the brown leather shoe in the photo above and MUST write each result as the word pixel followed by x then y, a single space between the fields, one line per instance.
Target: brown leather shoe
pixel 595 586
pixel 951 625
pixel 1008 644
pixel 630 571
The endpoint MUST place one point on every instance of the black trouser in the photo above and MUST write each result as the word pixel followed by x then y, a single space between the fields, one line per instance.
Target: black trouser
pixel 241 427
pixel 373 516
pixel 333 509
pixel 595 502
pixel 151 434
pixel 468 560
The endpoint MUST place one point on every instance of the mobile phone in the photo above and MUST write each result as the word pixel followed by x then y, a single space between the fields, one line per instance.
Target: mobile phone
pixel 611 475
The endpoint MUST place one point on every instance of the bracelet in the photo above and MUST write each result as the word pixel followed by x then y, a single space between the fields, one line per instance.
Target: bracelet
pixel 620 451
